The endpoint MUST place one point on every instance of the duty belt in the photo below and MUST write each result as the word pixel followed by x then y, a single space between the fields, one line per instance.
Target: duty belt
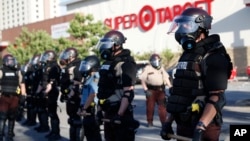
pixel 160 88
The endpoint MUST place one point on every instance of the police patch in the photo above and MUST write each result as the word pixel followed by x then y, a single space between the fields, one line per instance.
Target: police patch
pixel 9 74
pixel 105 67
pixel 182 65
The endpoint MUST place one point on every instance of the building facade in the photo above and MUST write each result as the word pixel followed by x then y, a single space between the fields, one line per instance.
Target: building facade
pixel 21 12
pixel 146 23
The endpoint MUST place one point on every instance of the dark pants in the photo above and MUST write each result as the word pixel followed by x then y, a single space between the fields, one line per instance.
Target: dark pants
pixel 158 97
pixel 42 112
pixel 74 121
pixel 8 110
pixel 212 132
pixel 91 129
pixel 119 132
pixel 54 119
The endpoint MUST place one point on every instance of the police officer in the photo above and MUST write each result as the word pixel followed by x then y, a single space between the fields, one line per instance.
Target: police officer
pixel 89 69
pixel 116 88
pixel 31 78
pixel 41 98
pixel 154 79
pixel 22 98
pixel 69 83
pixel 28 81
pixel 198 92
pixel 51 76
pixel 12 85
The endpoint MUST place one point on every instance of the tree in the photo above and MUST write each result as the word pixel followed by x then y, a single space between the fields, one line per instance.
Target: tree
pixel 29 43
pixel 86 33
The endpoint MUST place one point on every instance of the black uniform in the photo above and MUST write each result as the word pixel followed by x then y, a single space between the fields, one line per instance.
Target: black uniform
pixel 111 85
pixel 41 100
pixel 68 75
pixel 208 68
pixel 28 80
pixel 53 76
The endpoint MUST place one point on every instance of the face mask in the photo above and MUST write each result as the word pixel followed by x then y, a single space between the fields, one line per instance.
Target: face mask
pixel 187 41
pixel 156 63
pixel 106 54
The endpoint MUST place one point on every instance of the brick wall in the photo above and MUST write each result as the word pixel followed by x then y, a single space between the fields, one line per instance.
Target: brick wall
pixel 240 58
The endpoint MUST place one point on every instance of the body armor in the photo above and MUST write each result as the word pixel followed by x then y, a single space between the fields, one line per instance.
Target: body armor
pixel 10 81
pixel 188 85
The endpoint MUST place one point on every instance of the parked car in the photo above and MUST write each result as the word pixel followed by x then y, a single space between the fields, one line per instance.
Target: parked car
pixel 140 66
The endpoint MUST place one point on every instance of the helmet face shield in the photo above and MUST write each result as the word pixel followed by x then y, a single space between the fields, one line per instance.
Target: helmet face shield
pixel 183 24
pixel 104 44
pixel 105 48
pixel 10 61
pixel 84 66
pixel 64 55
pixel 44 58
pixel 156 63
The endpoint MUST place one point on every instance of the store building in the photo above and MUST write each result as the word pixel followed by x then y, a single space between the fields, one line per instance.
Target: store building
pixel 145 23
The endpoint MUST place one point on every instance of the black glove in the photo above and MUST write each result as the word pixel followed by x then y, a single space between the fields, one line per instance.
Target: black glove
pixel 99 117
pixel 22 99
pixel 165 130
pixel 197 134
pixel 147 93
pixel 62 98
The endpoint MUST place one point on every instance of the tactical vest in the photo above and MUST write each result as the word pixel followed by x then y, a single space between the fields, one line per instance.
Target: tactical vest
pixel 110 77
pixel 190 73
pixel 66 78
pixel 37 76
pixel 187 84
pixel 107 81
pixel 45 76
pixel 28 80
pixel 10 81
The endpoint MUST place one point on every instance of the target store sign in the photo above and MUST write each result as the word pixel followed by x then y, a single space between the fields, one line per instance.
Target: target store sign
pixel 147 17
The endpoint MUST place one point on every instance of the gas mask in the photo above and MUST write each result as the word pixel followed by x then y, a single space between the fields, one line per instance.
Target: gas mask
pixel 106 54
pixel 186 31
pixel 187 41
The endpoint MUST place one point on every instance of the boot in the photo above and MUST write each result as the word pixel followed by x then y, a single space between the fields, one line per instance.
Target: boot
pixel 31 116
pixel 74 133
pixel 55 129
pixel 11 125
pixel 44 125
pixel 3 117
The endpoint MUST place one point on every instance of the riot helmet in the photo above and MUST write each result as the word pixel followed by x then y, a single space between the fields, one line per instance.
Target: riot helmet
pixel 89 64
pixel 189 25
pixel 110 43
pixel 35 61
pixel 25 67
pixel 155 61
pixel 48 56
pixel 67 56
pixel 10 61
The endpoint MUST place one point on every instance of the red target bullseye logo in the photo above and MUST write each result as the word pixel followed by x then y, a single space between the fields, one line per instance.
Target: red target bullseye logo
pixel 146 17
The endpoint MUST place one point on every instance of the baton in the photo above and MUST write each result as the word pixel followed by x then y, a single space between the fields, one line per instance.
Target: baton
pixel 81 114
pixel 108 120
